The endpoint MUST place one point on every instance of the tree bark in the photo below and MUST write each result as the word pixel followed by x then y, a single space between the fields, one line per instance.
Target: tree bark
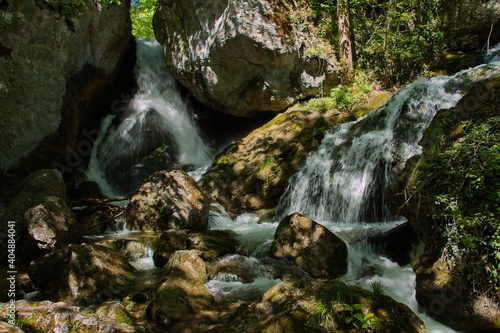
pixel 346 42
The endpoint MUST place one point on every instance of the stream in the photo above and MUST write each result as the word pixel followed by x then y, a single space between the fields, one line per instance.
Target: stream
pixel 341 186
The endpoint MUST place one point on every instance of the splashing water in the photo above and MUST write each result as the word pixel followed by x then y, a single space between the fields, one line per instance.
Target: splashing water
pixel 157 124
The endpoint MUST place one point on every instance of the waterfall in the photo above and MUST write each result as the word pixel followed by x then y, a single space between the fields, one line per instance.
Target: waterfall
pixel 154 130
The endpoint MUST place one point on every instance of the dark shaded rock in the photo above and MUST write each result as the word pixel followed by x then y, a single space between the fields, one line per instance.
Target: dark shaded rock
pixel 210 244
pixel 182 295
pixel 241 57
pixel 43 191
pixel 310 246
pixel 168 200
pixel 67 63
pixel 396 243
pixel 288 306
pixel 47 316
pixel 169 242
pixel 82 274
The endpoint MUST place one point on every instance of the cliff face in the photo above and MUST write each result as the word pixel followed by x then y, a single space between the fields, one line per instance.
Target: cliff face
pixel 239 57
pixel 56 69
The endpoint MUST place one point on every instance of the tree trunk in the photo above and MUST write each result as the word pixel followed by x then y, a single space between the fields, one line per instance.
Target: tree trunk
pixel 346 42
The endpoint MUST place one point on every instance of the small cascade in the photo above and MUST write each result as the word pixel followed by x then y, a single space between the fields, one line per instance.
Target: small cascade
pixel 155 130
pixel 345 179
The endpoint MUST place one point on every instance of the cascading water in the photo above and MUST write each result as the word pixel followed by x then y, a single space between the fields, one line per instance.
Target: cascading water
pixel 342 185
pixel 155 130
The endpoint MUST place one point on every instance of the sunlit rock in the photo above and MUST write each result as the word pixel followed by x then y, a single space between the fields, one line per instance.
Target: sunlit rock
pixel 310 246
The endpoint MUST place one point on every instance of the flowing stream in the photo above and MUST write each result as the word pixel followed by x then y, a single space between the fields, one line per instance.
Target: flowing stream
pixel 342 186
pixel 154 130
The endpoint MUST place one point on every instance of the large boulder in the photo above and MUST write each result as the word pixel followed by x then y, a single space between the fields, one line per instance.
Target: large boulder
pixel 293 306
pixel 168 200
pixel 310 246
pixel 239 56
pixel 182 295
pixel 57 63
pixel 253 173
pixel 82 274
pixel 41 218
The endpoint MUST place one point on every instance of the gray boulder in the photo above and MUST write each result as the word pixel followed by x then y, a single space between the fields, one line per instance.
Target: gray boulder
pixel 238 56
pixel 310 246
pixel 168 200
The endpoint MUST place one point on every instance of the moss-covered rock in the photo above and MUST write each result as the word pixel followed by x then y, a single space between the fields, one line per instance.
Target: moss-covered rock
pixel 450 196
pixel 252 173
pixel 82 274
pixel 46 316
pixel 295 306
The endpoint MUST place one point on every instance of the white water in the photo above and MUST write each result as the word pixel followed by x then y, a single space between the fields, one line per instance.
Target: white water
pixel 342 186
pixel 156 118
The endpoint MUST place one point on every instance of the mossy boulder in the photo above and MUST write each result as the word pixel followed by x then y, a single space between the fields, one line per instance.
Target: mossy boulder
pixel 456 281
pixel 181 296
pixel 295 306
pixel 46 316
pixel 252 173
pixel 310 246
pixel 82 274
pixel 168 200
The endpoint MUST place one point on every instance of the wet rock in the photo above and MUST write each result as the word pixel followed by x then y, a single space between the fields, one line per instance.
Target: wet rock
pixel 43 194
pixel 210 243
pixel 182 295
pixel 288 306
pixel 240 57
pixel 168 200
pixel 310 246
pixel 396 243
pixel 253 173
pixel 82 274
pixel 64 318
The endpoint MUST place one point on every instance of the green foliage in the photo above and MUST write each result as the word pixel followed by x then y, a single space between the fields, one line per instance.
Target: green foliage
pixel 463 179
pixel 378 288
pixel 344 97
pixel 358 319
pixel 73 8
pixel 141 14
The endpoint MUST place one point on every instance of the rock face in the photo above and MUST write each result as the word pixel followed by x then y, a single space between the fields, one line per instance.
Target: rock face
pixel 252 173
pixel 182 294
pixel 441 287
pixel 82 274
pixel 168 200
pixel 288 306
pixel 55 71
pixel 310 246
pixel 41 216
pixel 239 56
